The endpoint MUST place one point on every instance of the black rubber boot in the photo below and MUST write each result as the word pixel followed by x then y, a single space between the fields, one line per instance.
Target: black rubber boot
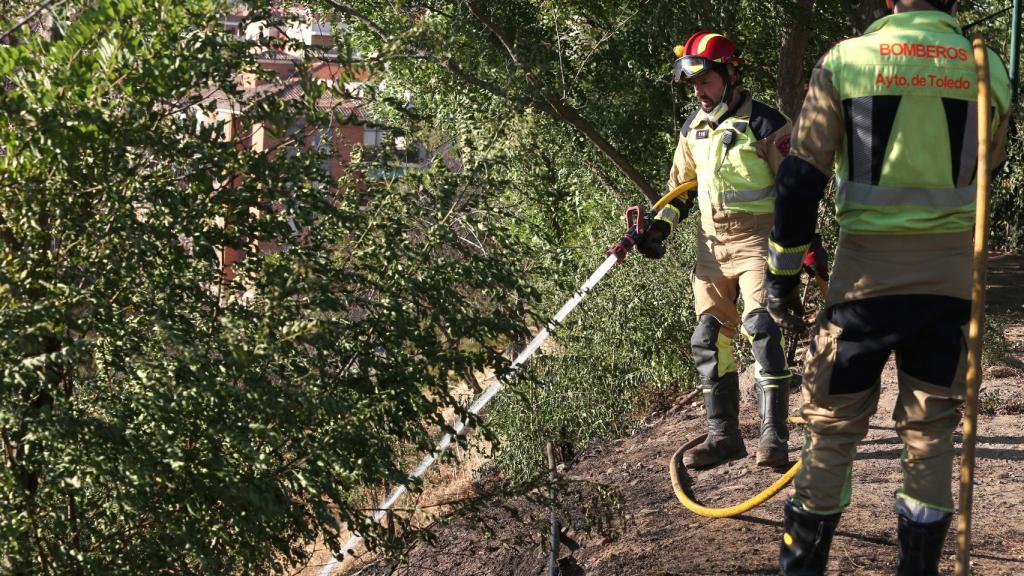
pixel 722 405
pixel 773 408
pixel 921 546
pixel 805 542
pixel 796 381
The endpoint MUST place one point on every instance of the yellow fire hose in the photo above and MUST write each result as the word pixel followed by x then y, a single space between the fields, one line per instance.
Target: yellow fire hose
pixel 673 194
pixel 677 473
pixel 974 336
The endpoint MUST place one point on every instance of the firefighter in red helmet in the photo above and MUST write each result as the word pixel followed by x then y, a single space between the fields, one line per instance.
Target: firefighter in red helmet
pixel 731 144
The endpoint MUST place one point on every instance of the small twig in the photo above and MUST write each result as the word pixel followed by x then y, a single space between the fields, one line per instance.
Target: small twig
pixel 373 26
pixel 563 111
pixel 561 62
pixel 555 528
pixel 42 7
pixel 604 39
pixel 689 397
pixel 987 18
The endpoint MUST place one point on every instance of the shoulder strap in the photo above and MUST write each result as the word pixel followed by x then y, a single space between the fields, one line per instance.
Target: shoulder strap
pixel 764 120
pixel 689 121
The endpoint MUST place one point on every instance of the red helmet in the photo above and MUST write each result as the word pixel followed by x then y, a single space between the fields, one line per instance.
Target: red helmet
pixel 702 52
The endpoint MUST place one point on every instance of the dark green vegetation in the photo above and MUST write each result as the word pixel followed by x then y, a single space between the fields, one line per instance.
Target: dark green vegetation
pixel 159 416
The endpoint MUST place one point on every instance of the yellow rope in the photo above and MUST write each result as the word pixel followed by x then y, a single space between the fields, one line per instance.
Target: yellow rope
pixel 677 486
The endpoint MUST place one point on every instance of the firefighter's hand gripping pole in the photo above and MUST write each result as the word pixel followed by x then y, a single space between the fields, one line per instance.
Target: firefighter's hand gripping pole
pixel 974 335
pixel 487 395
pixel 636 221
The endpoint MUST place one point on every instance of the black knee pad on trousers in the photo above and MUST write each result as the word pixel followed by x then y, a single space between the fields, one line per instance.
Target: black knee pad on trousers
pixel 765 341
pixel 704 347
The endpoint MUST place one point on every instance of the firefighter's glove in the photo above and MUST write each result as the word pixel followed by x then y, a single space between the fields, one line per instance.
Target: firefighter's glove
pixel 816 259
pixel 683 206
pixel 787 310
pixel 652 243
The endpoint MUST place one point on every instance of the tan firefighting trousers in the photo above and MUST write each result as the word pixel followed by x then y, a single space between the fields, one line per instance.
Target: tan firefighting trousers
pixel 732 252
pixel 731 260
pixel 901 294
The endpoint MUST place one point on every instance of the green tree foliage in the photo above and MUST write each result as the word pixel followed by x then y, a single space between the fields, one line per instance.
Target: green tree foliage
pixel 527 85
pixel 1008 193
pixel 158 416
pixel 993 24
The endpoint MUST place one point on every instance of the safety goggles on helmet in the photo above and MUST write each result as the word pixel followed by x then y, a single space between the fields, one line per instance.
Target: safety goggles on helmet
pixel 691 67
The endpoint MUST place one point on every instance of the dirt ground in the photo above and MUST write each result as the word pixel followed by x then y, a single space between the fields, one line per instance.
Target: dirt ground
pixel 661 538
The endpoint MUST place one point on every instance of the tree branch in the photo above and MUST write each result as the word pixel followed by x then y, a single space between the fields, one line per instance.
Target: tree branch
pixel 39 10
pixel 863 12
pixel 795 37
pixel 442 61
pixel 373 26
pixel 553 107
pixel 568 113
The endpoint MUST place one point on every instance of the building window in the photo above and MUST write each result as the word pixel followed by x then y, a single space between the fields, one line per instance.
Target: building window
pixel 372 137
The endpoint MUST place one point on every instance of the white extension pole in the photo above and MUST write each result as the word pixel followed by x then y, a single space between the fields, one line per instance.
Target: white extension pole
pixel 481 401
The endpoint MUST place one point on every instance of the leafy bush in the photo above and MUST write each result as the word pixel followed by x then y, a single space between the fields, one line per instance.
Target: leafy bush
pixel 629 338
pixel 995 345
pixel 1007 227
pixel 158 414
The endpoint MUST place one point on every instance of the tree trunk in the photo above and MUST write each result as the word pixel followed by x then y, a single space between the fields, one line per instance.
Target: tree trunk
pixel 792 79
pixel 862 13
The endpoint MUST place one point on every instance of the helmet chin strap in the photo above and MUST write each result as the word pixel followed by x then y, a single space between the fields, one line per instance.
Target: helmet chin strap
pixel 721 110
